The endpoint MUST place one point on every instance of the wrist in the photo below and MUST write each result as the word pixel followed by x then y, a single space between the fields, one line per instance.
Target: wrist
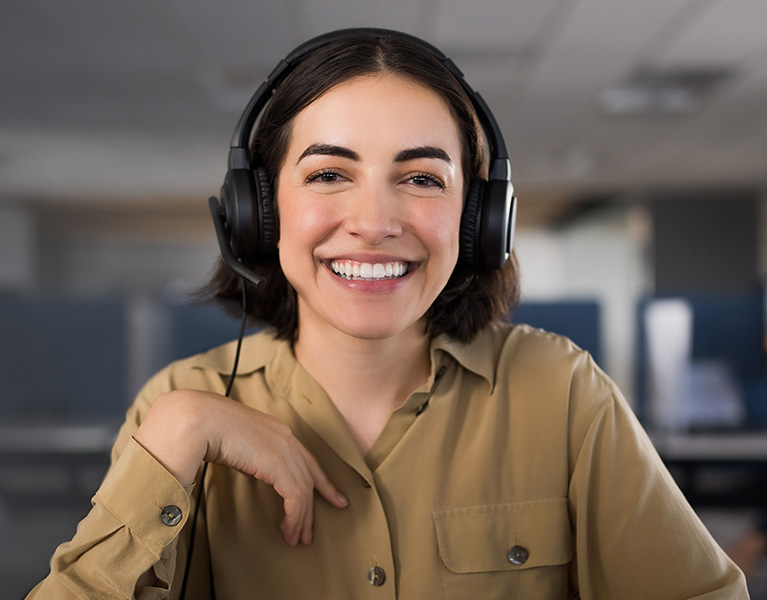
pixel 173 432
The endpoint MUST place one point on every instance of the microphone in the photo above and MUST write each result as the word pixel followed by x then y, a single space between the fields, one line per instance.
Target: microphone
pixel 217 212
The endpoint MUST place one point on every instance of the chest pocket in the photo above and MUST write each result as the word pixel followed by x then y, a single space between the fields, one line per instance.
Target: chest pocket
pixel 504 550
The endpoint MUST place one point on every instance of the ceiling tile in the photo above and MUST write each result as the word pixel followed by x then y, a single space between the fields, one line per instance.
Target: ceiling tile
pixel 602 41
pixel 328 15
pixel 727 33
pixel 495 26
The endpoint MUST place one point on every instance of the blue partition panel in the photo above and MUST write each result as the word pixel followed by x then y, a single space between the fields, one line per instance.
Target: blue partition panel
pixel 195 328
pixel 578 320
pixel 62 359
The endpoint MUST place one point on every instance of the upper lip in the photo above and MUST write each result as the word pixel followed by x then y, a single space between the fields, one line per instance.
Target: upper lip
pixel 359 258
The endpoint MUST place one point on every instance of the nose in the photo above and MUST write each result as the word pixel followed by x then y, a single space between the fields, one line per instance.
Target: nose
pixel 373 215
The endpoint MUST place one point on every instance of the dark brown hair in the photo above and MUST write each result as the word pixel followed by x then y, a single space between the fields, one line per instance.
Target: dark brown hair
pixel 471 300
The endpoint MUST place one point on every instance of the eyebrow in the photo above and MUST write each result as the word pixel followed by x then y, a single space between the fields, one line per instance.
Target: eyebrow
pixel 423 152
pixel 401 156
pixel 329 150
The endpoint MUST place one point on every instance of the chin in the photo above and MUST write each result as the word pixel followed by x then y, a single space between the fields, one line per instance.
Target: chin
pixel 374 329
pixel 374 333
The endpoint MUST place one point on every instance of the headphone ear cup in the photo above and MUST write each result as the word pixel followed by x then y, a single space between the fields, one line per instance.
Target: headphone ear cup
pixel 497 220
pixel 469 252
pixel 267 216
pixel 237 201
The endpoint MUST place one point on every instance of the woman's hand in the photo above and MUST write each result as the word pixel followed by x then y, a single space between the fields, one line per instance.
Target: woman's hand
pixel 185 427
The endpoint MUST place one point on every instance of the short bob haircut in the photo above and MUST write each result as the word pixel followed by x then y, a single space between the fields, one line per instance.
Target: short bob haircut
pixel 471 300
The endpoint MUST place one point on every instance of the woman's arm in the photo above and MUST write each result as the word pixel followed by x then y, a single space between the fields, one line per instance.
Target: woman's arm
pixel 124 546
pixel 186 427
pixel 636 535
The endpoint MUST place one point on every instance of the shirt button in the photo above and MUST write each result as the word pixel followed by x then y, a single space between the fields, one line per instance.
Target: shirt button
pixel 518 555
pixel 171 515
pixel 376 576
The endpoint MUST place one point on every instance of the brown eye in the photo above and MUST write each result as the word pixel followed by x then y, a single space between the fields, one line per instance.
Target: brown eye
pixel 425 180
pixel 324 177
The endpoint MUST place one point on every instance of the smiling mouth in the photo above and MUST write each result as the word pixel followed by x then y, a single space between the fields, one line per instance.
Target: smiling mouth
pixel 369 271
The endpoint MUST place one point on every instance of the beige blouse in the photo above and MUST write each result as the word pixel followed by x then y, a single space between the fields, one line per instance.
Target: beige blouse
pixel 517 471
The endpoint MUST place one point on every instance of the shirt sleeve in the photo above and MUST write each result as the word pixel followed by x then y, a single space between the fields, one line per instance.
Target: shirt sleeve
pixel 636 535
pixel 133 526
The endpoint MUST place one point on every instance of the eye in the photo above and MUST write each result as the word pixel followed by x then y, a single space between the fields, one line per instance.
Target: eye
pixel 324 176
pixel 425 180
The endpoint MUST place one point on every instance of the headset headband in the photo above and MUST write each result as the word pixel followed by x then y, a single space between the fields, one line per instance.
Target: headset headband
pixel 239 155
pixel 245 219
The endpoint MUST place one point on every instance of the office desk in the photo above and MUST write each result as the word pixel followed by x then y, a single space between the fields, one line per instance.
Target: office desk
pixel 53 464
pixel 727 470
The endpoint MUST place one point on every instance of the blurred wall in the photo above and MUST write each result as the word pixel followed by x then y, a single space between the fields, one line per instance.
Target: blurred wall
pixel 18 249
pixel 705 242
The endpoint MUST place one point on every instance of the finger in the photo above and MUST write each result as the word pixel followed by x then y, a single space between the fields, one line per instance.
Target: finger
pixel 307 534
pixel 306 482
pixel 299 508
pixel 293 522
pixel 298 497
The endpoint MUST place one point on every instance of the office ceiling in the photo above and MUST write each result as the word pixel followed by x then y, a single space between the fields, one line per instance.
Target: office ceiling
pixel 110 100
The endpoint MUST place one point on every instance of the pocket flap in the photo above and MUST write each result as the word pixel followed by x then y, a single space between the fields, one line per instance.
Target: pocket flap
pixel 479 538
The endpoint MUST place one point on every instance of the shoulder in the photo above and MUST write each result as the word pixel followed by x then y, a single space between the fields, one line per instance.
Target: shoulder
pixel 257 350
pixel 560 380
pixel 515 351
pixel 210 370
pixel 542 368
pixel 538 356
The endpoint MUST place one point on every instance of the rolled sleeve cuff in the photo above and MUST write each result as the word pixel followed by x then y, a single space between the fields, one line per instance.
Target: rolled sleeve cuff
pixel 140 492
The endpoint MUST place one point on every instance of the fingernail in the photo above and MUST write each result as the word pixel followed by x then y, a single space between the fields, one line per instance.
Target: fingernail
pixel 342 499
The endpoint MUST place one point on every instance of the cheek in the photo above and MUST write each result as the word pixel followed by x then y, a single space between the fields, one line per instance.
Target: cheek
pixel 303 226
pixel 441 230
pixel 302 222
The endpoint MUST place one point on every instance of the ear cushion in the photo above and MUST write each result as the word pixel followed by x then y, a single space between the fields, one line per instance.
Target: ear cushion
pixel 469 252
pixel 268 228
pixel 237 201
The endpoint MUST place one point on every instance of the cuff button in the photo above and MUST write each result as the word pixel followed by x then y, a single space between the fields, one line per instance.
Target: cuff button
pixel 171 515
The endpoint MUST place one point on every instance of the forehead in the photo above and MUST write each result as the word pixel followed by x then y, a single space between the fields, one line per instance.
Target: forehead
pixel 382 108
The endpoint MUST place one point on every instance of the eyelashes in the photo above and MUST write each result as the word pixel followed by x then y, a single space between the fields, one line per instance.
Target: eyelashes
pixel 426 180
pixel 328 176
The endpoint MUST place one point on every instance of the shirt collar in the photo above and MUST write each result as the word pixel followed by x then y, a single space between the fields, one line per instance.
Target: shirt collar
pixel 260 350
pixel 479 356
pixel 257 350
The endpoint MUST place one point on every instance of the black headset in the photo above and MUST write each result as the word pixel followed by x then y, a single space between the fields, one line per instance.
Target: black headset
pixel 245 220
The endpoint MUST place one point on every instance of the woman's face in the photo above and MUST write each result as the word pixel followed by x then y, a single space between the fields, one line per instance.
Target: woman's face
pixel 370 199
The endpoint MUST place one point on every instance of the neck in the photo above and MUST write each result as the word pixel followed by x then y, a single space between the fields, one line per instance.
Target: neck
pixel 366 379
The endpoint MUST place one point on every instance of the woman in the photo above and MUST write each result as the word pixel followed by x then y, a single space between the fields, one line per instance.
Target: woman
pixel 453 456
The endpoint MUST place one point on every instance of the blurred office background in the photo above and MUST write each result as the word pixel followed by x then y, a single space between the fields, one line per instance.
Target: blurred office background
pixel 638 136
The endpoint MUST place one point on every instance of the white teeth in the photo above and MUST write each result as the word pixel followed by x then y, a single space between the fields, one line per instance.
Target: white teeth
pixel 369 271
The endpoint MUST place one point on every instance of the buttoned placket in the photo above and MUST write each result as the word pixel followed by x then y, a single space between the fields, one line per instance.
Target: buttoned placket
pixel 316 409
